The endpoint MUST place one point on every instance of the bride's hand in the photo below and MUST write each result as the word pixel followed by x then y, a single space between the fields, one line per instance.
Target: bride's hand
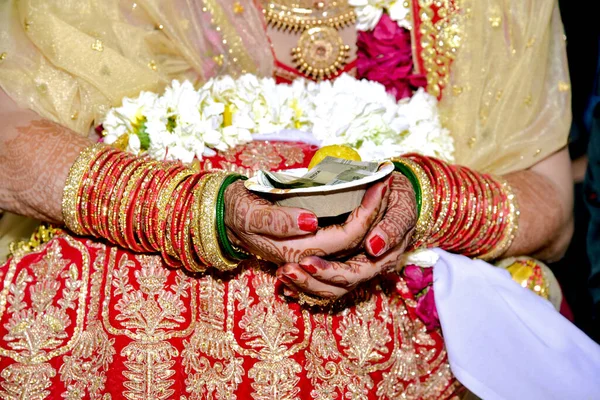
pixel 384 246
pixel 286 234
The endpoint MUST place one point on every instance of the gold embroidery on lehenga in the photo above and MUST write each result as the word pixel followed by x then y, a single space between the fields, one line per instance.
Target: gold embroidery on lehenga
pixel 238 329
pixel 150 315
pixel 29 382
pixel 84 371
pixel 270 334
pixel 36 330
pixel 259 155
pixel 206 379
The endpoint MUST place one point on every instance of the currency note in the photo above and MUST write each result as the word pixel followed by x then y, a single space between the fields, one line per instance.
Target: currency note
pixel 330 171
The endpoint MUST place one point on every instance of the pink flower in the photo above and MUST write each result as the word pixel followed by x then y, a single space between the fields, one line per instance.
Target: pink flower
pixel 385 56
pixel 417 278
pixel 427 311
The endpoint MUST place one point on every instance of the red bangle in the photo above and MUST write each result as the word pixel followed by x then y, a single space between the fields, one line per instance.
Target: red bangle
pixel 117 198
pixel 86 207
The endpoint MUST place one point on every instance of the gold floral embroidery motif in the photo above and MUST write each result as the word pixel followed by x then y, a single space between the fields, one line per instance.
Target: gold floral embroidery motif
pixel 291 154
pixel 29 382
pixel 255 155
pixel 219 379
pixel 258 155
pixel 48 323
pixel 270 334
pixel 36 331
pixel 344 369
pixel 84 371
pixel 151 315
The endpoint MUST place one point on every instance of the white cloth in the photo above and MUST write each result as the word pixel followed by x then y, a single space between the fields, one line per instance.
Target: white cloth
pixel 504 341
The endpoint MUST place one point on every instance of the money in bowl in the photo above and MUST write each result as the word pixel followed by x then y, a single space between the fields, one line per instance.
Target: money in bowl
pixel 332 188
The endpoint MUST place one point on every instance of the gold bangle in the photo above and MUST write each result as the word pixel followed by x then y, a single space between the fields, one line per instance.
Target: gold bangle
pixel 313 301
pixel 208 225
pixel 193 227
pixel 70 200
pixel 425 220
pixel 512 225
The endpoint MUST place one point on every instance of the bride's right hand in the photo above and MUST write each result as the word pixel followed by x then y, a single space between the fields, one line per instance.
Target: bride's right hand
pixel 286 234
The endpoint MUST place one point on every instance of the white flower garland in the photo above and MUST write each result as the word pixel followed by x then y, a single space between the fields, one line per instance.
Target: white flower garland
pixel 185 123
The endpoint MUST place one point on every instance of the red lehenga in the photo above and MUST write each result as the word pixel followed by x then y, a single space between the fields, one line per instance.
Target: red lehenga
pixel 81 318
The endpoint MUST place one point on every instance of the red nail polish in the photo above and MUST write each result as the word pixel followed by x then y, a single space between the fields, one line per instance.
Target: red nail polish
pixel 284 279
pixel 384 191
pixel 311 269
pixel 377 244
pixel 292 276
pixel 308 222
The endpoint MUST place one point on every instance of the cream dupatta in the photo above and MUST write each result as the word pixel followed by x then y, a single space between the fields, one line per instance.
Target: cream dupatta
pixel 507 101
pixel 70 60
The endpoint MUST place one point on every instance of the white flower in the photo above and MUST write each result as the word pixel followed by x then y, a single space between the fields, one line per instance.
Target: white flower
pixel 129 120
pixel 368 13
pixel 422 258
pixel 185 123
pixel 399 13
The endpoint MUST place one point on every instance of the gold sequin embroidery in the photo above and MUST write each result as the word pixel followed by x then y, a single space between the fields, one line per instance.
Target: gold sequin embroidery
pixel 98 45
pixel 437 42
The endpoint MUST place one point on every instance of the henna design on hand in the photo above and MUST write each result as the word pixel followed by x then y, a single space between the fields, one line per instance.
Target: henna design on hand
pixel 274 233
pixel 35 157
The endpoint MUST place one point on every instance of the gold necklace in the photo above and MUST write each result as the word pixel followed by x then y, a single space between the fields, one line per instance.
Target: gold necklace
pixel 320 51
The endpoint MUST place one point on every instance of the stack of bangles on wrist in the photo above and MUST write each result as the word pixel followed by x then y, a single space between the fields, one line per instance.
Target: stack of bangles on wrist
pixel 150 206
pixel 460 210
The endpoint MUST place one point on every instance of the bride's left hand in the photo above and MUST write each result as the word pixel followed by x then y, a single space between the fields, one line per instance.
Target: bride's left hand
pixel 384 246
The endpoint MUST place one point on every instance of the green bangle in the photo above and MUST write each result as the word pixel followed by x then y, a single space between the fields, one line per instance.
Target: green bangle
pixel 221 230
pixel 414 181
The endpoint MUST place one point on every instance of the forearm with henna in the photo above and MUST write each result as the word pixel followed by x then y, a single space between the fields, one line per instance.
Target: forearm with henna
pixel 35 157
pixel 545 222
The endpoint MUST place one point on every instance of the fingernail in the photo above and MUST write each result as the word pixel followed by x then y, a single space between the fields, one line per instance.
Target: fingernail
pixel 311 269
pixel 284 279
pixel 289 292
pixel 292 276
pixel 377 244
pixel 384 191
pixel 308 222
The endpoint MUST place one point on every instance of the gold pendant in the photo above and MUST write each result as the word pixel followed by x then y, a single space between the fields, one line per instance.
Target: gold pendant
pixel 320 52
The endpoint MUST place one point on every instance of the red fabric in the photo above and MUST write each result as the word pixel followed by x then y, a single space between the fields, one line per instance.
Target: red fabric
pixel 144 329
pixel 80 319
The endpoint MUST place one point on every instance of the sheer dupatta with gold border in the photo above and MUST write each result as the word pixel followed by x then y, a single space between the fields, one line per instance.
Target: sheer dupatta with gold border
pixel 70 60
pixel 500 69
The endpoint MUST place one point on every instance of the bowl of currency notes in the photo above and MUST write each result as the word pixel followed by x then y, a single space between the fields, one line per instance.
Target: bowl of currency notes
pixel 330 189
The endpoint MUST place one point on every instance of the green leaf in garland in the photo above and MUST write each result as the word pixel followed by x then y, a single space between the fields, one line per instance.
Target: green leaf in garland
pixel 143 135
